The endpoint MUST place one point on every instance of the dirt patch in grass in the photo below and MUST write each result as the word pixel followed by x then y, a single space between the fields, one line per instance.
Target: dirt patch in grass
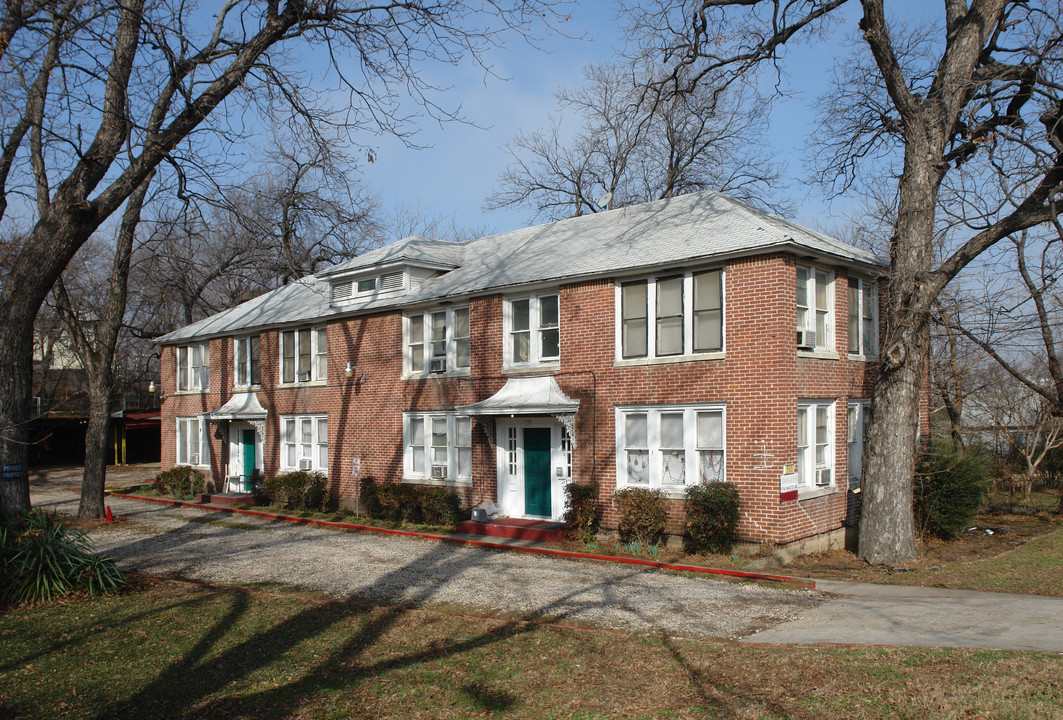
pixel 1000 553
pixel 175 651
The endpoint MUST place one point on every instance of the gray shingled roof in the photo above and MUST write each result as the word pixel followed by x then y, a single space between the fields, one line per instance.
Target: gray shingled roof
pixel 674 231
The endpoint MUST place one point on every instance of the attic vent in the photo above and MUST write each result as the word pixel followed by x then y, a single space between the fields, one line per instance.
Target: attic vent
pixel 342 291
pixel 391 281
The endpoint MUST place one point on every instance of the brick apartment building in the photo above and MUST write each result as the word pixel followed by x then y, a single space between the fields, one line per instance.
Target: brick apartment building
pixel 650 346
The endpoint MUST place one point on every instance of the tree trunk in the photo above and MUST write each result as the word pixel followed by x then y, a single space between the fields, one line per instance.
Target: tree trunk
pixel 16 353
pixel 100 383
pixel 887 528
pixel 887 532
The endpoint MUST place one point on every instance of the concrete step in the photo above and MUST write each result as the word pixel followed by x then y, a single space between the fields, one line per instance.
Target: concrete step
pixel 516 528
pixel 232 498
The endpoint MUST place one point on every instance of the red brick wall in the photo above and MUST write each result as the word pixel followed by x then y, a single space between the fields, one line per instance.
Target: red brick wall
pixel 760 380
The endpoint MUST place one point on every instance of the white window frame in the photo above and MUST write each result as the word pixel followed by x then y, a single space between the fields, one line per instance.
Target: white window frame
pixel 857 417
pixel 458 454
pixel 816 277
pixel 249 362
pixel 654 452
pixel 184 447
pixel 810 470
pixel 294 449
pixel 192 378
pixel 424 345
pixel 652 319
pixel 866 293
pixel 318 354
pixel 536 331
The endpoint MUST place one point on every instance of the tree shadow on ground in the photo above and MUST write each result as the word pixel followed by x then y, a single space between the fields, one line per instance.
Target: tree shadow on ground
pixel 211 667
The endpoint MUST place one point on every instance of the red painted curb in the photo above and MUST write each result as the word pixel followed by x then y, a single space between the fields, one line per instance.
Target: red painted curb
pixel 806 583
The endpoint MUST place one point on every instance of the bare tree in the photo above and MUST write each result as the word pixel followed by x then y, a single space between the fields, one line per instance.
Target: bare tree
pixel 1025 419
pixel 635 146
pixel 301 211
pixel 97 95
pixel 95 344
pixel 941 109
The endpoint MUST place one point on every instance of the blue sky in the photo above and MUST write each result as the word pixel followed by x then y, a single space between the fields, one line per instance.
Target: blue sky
pixel 461 166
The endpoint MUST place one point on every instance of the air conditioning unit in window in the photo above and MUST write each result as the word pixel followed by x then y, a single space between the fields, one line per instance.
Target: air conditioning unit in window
pixel 305 464
pixel 822 477
pixel 193 459
pixel 439 472
pixel 806 338
pixel 437 365
pixel 303 377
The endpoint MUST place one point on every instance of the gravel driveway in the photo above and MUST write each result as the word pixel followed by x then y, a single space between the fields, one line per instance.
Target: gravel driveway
pixel 224 548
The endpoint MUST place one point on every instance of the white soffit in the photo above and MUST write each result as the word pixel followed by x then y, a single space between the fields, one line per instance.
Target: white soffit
pixel 538 395
pixel 241 406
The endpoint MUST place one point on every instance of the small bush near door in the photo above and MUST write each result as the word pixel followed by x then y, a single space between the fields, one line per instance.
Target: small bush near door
pixel 712 512
pixel 415 504
pixel 183 482
pixel 582 516
pixel 299 490
pixel 947 490
pixel 642 515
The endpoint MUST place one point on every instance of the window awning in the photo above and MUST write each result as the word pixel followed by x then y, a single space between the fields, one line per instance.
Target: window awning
pixel 538 395
pixel 241 406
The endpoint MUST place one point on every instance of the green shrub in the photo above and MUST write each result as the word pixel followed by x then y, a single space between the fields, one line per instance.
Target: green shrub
pixel 712 512
pixel 582 516
pixel 369 501
pixel 948 489
pixel 405 503
pixel 439 507
pixel 41 559
pixel 298 490
pixel 399 502
pixel 642 515
pixel 182 481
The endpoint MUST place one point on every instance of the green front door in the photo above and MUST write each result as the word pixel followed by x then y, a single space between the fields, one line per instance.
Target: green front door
pixel 247 439
pixel 537 471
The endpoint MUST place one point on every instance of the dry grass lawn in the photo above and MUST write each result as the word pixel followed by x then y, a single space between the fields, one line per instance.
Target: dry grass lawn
pixel 171 650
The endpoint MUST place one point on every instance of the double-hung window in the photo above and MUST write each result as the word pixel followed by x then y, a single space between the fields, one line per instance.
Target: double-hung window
pixel 863 316
pixel 815 314
pixel 247 361
pixel 815 443
pixel 670 447
pixel 193 441
pixel 671 316
pixel 304 355
pixel 304 442
pixel 437 341
pixel 532 327
pixel 193 368
pixel 438 446
pixel 856 429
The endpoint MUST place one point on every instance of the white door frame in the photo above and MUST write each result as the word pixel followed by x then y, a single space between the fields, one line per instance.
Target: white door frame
pixel 510 465
pixel 236 453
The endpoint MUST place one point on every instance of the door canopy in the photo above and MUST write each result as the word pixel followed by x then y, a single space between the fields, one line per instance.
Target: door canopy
pixel 241 406
pixel 539 395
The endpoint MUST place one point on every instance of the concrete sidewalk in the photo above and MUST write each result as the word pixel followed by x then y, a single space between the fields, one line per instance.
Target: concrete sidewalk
pixel 870 614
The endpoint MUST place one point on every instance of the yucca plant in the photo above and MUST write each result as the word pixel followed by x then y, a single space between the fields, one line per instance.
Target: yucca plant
pixel 42 559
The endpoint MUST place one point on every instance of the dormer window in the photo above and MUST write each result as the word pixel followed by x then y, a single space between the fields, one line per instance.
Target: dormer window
pixel 367 287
